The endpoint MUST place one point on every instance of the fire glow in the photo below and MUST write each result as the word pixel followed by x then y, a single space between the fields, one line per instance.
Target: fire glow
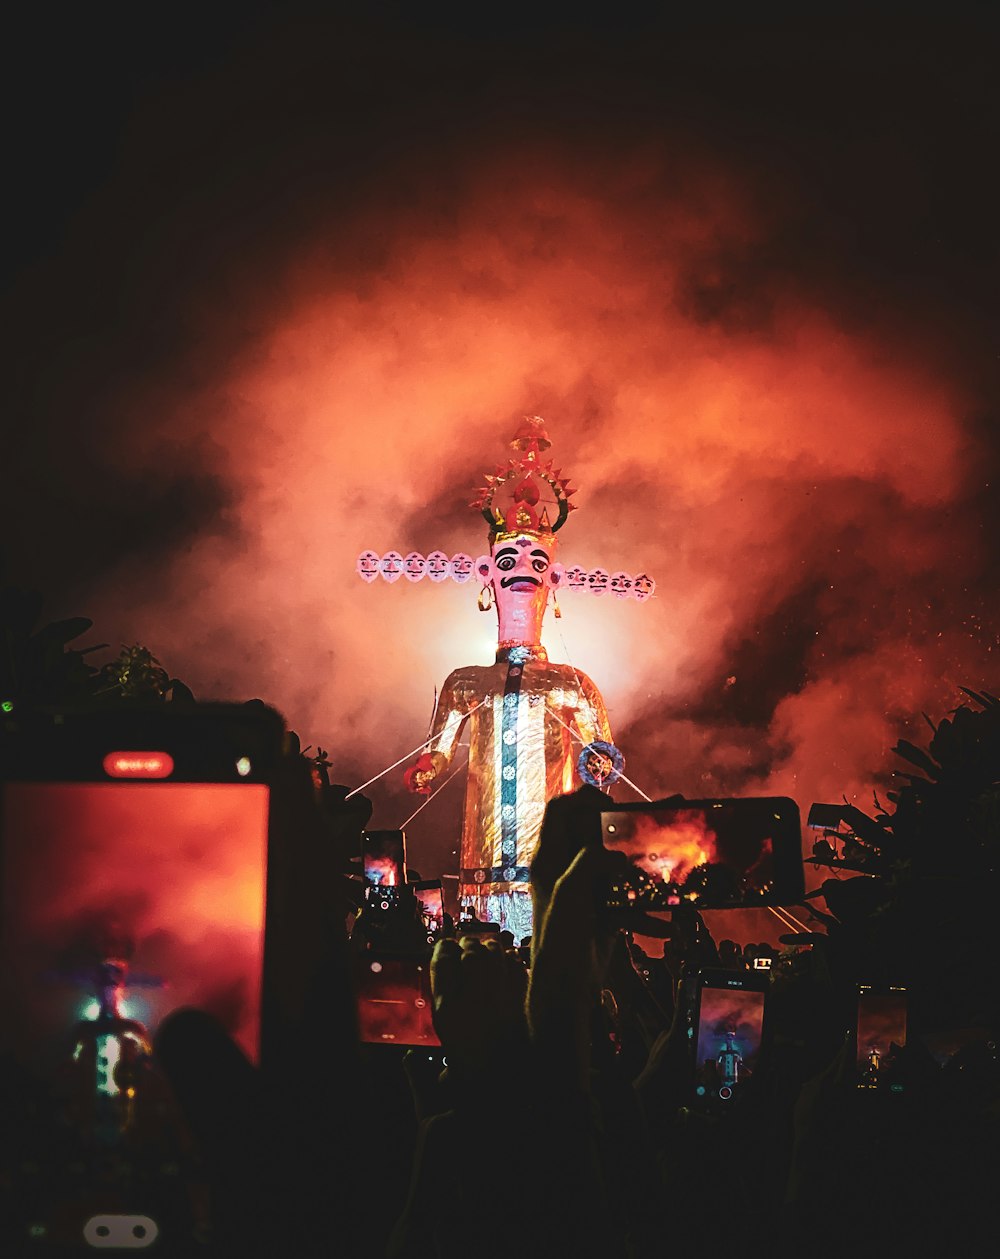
pixel 138 764
pixel 670 853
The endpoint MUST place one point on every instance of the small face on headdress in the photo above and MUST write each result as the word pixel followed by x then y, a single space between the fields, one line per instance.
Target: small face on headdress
pixel 461 567
pixel 597 581
pixel 414 566
pixel 391 566
pixel 643 587
pixel 621 585
pixel 368 562
pixel 437 566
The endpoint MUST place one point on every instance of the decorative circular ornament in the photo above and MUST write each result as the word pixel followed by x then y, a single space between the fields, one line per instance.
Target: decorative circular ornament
pixel 600 764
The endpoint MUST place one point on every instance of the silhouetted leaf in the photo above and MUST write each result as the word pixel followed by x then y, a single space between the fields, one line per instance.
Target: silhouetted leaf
pixel 854 899
pixel 917 756
pixel 63 632
pixel 983 698
pixel 179 693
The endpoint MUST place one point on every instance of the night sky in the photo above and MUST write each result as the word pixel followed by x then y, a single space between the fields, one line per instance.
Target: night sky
pixel 278 288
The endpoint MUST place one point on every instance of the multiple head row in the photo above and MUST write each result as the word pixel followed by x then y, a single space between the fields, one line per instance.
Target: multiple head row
pixel 462 568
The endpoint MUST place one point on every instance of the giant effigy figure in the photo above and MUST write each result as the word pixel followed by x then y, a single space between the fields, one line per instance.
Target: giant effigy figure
pixel 536 728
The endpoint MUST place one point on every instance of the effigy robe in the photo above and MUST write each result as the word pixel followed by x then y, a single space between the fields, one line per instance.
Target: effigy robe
pixel 528 719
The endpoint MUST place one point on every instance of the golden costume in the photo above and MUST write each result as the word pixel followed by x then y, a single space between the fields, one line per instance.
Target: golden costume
pixel 528 722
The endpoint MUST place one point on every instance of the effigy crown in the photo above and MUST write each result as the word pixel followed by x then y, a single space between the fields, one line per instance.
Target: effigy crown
pixel 509 498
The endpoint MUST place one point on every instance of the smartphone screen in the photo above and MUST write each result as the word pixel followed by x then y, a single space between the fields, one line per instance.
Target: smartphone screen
pixel 728 1039
pixel 712 854
pixel 881 1024
pixel 163 883
pixel 132 883
pixel 431 900
pixel 384 854
pixel 394 1000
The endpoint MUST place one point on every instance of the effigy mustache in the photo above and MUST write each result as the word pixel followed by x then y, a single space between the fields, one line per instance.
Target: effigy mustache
pixel 509 581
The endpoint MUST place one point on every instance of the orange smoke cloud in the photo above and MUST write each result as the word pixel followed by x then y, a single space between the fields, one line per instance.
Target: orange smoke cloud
pixel 799 488
pixel 170 877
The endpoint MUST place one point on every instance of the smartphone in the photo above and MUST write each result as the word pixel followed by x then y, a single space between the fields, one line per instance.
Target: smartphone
pixel 430 897
pixel 384 862
pixel 709 854
pixel 881 1023
pixel 476 927
pixel 727 1033
pixel 133 868
pixel 394 999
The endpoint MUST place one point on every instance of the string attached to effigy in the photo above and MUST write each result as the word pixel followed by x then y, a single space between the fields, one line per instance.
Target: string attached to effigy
pixel 437 790
pixel 406 756
pixel 788 919
pixel 627 781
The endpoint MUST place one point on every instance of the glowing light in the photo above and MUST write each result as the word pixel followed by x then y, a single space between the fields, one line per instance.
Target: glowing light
pixel 108 1052
pixel 138 764
pixel 243 766
pixel 91 1010
pixel 376 967
pixel 7 705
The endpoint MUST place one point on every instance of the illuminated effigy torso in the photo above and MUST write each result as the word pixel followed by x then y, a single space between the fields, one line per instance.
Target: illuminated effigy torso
pixel 528 720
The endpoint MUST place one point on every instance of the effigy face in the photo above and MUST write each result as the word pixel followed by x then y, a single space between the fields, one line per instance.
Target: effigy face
pixel 523 571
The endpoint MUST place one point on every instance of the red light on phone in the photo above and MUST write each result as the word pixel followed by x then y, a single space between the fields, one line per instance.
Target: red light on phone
pixel 138 764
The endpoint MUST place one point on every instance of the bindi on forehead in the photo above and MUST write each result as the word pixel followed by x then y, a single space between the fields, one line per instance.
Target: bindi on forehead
pixel 522 543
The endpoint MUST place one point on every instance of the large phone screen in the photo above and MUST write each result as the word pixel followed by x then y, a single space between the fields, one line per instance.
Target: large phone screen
pixel 712 854
pixel 139 896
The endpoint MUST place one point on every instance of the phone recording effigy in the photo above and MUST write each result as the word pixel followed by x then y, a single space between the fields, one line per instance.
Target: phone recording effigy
pixel 134 880
pixel 392 941
pixel 739 853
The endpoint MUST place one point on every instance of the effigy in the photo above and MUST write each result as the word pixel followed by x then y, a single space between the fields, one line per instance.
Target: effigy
pixel 536 727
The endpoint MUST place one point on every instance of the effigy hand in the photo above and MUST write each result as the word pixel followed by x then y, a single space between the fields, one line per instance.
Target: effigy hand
pixel 421 775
